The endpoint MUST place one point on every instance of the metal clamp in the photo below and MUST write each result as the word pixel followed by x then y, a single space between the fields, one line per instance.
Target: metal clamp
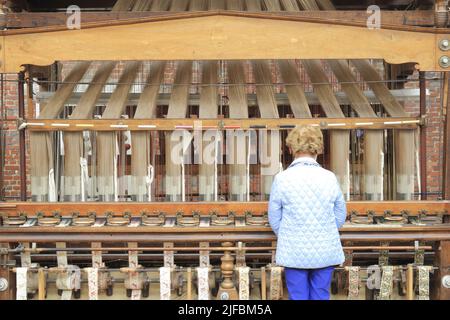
pixel 15 221
pixel 153 221
pixel 256 221
pixel 117 221
pixel 361 219
pixel 44 221
pixel 86 221
pixel 222 221
pixel 184 221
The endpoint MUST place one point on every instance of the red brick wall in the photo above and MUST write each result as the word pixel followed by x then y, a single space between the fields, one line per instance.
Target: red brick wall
pixel 11 186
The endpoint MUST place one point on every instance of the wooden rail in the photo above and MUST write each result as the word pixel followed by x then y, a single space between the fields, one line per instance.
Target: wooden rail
pixel 217 124
pixel 205 208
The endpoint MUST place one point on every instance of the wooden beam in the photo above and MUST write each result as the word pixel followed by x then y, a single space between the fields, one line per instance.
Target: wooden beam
pixel 442 260
pixel 66 209
pixel 281 40
pixel 222 124
pixel 18 20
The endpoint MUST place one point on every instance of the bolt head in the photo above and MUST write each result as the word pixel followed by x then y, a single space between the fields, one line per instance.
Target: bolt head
pixel 446 282
pixel 444 45
pixel 444 62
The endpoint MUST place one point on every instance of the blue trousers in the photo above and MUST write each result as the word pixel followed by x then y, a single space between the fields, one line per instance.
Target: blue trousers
pixel 309 284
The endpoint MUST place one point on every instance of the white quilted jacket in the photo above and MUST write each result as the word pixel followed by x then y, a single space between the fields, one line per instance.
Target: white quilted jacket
pixel 306 209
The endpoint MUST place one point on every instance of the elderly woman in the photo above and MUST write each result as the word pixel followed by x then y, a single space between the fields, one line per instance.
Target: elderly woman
pixel 306 209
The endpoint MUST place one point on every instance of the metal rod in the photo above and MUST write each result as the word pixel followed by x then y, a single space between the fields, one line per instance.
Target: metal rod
pixel 423 136
pixel 217 124
pixel 22 142
pixel 354 248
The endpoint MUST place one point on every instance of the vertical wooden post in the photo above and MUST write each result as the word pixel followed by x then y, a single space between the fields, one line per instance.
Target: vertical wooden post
pixel 22 150
pixel 189 284
pixel 410 282
pixel 263 284
pixel 7 277
pixel 41 284
pixel 423 137
pixel 446 168
pixel 227 290
pixel 442 261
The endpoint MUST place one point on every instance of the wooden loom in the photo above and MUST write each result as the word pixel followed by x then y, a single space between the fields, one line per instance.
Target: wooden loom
pixel 163 224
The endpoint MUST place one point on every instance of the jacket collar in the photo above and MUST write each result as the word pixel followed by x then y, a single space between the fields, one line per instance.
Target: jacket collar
pixel 307 160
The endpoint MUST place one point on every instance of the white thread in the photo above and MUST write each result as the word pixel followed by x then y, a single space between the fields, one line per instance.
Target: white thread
pixel 51 186
pixel 84 177
pixel 149 180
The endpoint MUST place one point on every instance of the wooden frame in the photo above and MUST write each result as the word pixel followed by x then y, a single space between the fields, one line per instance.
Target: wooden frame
pixel 220 35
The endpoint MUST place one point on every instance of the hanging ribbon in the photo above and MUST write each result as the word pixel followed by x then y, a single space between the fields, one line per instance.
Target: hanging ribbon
pixel 275 283
pixel 21 283
pixel 164 283
pixel 387 282
pixel 203 283
pixel 92 274
pixel 244 290
pixel 424 282
pixel 353 282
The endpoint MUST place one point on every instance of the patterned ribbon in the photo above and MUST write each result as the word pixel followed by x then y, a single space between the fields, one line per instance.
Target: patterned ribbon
pixel 244 289
pixel 386 282
pixel 21 283
pixel 92 283
pixel 353 283
pixel 424 282
pixel 204 255
pixel 275 283
pixel 136 294
pixel 203 283
pixel 164 279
